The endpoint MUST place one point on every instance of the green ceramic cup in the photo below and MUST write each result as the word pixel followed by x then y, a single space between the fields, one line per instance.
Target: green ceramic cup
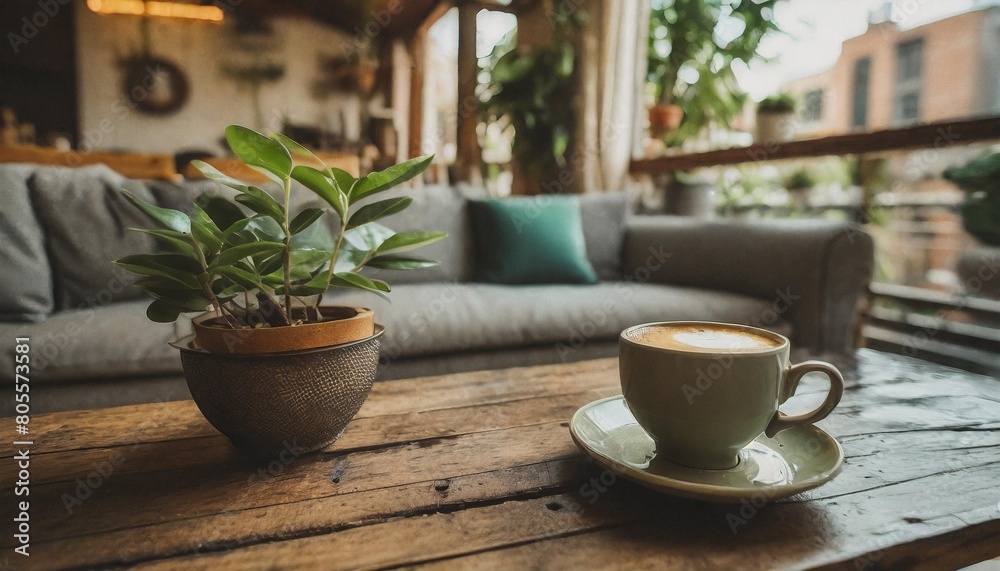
pixel 702 405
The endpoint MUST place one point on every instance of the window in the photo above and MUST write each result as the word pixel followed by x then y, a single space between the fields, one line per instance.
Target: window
pixel 859 114
pixel 909 61
pixel 812 108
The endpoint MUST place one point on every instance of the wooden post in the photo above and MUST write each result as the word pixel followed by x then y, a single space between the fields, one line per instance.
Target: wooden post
pixel 468 153
pixel 416 115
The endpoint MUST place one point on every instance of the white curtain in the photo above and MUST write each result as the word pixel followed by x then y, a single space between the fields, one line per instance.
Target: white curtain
pixel 612 64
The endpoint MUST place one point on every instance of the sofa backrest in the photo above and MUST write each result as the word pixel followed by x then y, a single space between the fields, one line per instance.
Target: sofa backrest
pixel 60 228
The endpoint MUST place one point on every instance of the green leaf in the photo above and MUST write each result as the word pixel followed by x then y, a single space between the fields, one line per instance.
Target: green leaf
pixel 213 173
pixel 243 251
pixel 376 210
pixel 266 229
pixel 356 281
pixel 222 212
pixel 246 279
pixel 304 263
pixel 176 267
pixel 304 219
pixel 263 203
pixel 406 241
pixel 170 219
pixel 162 312
pixel 184 300
pixel 315 286
pixel 317 182
pixel 205 231
pixel 179 243
pixel 392 262
pixel 238 234
pixel 293 147
pixel 382 285
pixel 345 180
pixel 368 238
pixel 258 150
pixel 390 177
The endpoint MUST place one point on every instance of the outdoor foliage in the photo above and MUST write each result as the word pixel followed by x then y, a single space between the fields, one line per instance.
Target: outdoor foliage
pixel 249 258
pixel 530 90
pixel 693 45
pixel 980 178
pixel 780 103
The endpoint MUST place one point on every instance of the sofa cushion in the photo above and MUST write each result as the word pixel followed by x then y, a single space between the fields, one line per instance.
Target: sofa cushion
pixel 428 319
pixel 530 240
pixel 86 221
pixel 102 342
pixel 26 279
pixel 604 231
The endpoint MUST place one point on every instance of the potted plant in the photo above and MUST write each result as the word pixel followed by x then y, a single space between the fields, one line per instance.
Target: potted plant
pixel 980 179
pixel 526 94
pixel 798 184
pixel 269 365
pixel 776 119
pixel 692 52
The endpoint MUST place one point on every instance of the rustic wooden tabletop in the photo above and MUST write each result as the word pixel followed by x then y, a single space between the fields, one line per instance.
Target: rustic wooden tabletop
pixel 478 470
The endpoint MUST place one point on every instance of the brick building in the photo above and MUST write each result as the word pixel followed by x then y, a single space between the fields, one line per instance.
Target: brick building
pixel 891 76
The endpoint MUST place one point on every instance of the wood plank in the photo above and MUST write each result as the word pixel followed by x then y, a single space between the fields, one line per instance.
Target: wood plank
pixel 332 514
pixel 426 459
pixel 853 531
pixel 910 436
pixel 163 422
pixel 130 165
pixel 362 433
pixel 926 136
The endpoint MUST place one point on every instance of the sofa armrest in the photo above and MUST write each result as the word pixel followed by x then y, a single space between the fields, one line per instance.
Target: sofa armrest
pixel 815 271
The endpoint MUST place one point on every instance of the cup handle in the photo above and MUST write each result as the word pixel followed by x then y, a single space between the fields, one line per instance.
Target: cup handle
pixel 781 421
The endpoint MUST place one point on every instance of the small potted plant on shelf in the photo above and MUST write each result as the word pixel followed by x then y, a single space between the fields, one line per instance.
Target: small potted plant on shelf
pixel 799 184
pixel 776 119
pixel 980 179
pixel 269 365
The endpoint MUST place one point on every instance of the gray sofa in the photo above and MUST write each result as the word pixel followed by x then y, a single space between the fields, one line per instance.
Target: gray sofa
pixel 92 346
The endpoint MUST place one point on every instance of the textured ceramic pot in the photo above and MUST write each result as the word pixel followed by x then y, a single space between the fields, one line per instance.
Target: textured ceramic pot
pixel 298 401
pixel 702 407
pixel 343 325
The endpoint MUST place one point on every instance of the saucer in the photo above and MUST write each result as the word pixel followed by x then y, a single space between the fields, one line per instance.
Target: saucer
pixel 795 460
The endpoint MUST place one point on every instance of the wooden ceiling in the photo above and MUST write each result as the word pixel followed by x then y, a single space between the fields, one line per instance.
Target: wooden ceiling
pixel 365 17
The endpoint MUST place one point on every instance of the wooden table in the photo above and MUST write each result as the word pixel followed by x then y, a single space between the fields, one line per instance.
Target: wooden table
pixel 478 470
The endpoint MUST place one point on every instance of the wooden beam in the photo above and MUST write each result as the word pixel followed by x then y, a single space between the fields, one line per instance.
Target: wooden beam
pixel 130 165
pixel 415 131
pixel 931 135
pixel 468 155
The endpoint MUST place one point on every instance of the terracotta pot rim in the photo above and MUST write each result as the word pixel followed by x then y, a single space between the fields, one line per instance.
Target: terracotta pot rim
pixel 184 344
pixel 360 313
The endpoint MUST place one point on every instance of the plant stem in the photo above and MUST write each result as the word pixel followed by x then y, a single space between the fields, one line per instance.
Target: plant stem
pixel 336 247
pixel 208 287
pixel 288 254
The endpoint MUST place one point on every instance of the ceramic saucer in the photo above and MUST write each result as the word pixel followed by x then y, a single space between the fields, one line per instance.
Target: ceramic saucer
pixel 794 461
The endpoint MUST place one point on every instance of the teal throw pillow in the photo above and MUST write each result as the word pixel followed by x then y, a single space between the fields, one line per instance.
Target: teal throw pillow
pixel 530 240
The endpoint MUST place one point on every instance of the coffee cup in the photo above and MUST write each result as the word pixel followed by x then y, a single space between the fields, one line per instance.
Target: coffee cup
pixel 704 390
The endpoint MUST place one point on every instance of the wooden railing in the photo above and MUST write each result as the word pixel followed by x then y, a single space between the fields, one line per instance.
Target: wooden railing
pixel 927 136
pixel 958 330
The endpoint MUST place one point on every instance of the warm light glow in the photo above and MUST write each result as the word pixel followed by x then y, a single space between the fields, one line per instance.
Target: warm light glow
pixel 161 9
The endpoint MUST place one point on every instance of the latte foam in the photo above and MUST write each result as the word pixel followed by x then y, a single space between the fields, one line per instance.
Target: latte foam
pixel 704 338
